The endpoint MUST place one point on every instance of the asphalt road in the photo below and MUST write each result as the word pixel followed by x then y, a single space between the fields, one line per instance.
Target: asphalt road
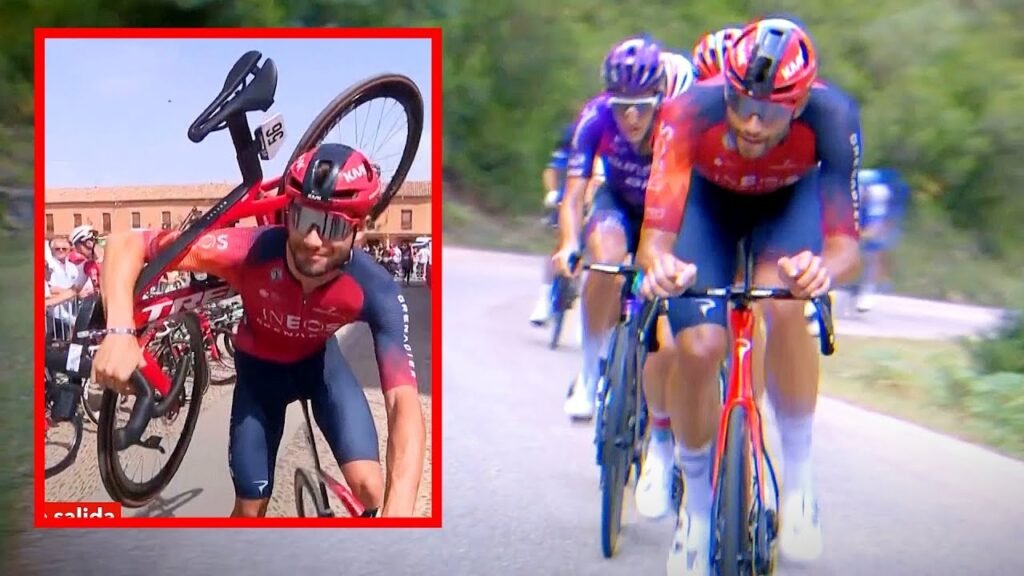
pixel 520 484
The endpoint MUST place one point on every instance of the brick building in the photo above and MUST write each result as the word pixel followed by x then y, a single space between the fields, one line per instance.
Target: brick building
pixel 110 209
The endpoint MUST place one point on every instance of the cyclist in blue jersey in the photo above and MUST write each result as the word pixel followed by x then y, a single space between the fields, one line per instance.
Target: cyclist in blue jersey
pixel 882 193
pixel 554 182
pixel 617 125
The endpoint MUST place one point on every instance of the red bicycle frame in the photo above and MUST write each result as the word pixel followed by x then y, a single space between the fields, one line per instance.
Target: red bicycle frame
pixel 156 308
pixel 740 393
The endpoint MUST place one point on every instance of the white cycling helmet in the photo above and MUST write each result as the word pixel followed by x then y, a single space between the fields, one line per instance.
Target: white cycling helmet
pixel 679 73
pixel 82 233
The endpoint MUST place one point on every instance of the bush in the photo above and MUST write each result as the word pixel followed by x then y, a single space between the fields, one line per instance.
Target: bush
pixel 1004 351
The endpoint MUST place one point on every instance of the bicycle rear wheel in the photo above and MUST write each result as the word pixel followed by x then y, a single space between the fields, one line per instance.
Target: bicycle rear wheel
pixel 558 308
pixel 617 437
pixel 732 546
pixel 115 479
pixel 61 407
pixel 386 87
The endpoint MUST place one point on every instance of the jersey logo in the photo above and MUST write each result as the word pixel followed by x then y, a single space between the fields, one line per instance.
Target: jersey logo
pixel 744 346
pixel 705 304
pixel 262 484
pixel 275 274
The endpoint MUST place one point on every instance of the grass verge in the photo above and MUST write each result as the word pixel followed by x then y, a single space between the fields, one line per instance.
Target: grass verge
pixel 16 325
pixel 924 382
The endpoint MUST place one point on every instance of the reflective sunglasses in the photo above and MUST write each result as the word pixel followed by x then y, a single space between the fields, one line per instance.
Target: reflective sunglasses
pixel 331 226
pixel 645 105
pixel 746 106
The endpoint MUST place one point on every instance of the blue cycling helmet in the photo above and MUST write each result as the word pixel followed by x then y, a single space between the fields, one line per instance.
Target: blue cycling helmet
pixel 633 66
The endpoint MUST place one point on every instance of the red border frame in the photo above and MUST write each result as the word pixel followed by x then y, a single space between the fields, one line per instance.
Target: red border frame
pixel 432 34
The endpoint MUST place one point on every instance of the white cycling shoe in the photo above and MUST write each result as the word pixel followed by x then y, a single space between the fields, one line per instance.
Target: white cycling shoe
pixel 542 309
pixel 691 545
pixel 800 539
pixel 580 403
pixel 654 488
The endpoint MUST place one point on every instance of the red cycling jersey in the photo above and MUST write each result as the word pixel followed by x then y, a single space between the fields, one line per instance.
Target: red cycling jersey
pixel 90 267
pixel 283 324
pixel 692 136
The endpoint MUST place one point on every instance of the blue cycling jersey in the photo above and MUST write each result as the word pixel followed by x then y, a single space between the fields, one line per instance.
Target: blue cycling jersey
pixel 559 160
pixel 883 196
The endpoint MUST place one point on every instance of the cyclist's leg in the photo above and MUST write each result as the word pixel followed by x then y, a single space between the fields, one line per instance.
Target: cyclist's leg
pixel 654 488
pixel 607 235
pixel 343 416
pixel 542 307
pixel 261 396
pixel 790 223
pixel 707 239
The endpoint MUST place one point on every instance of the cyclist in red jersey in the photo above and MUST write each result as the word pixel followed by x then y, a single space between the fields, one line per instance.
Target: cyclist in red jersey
pixel 83 254
pixel 299 284
pixel 763 149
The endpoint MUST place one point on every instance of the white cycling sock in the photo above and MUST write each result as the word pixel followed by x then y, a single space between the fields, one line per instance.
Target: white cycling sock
pixel 591 360
pixel 795 433
pixel 696 468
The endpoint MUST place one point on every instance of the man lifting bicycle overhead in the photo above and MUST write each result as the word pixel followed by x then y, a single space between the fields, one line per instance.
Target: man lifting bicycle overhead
pixel 299 283
pixel 768 150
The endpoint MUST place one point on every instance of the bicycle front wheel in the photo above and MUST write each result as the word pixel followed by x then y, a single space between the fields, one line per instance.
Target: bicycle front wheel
pixel 732 549
pixel 617 437
pixel 400 114
pixel 113 472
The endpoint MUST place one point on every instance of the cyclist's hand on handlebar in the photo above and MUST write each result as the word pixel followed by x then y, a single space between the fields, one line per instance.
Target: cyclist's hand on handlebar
pixel 561 260
pixel 805 275
pixel 667 276
pixel 118 356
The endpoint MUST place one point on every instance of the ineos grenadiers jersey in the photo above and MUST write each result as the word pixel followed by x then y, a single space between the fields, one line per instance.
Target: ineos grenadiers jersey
pixel 597 135
pixel 283 324
pixel 692 136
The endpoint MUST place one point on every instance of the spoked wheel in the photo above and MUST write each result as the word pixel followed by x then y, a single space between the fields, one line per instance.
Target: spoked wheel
pixel 309 496
pixel 63 434
pixel 222 372
pixel 185 358
pixel 381 117
pixel 91 400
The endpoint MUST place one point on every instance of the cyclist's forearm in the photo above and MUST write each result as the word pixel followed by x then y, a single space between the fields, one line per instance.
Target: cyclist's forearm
pixel 571 213
pixel 406 448
pixel 841 256
pixel 125 256
pixel 59 296
pixel 653 242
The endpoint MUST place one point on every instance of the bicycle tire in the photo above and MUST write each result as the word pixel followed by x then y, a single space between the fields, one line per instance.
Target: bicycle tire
pixel 92 415
pixel 558 318
pixel 395 86
pixel 132 494
pixel 218 334
pixel 78 426
pixel 304 484
pixel 733 547
pixel 616 456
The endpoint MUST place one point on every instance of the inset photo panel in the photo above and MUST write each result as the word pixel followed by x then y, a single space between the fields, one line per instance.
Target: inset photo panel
pixel 239 323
